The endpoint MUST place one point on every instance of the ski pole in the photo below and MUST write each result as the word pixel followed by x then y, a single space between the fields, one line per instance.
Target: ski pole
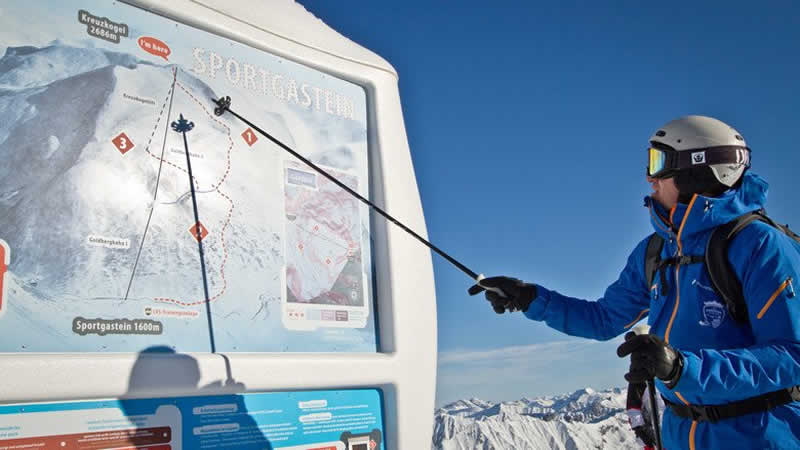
pixel 651 388
pixel 183 126
pixel 224 104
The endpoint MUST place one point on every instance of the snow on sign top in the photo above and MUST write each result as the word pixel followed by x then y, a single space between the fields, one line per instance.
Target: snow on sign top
pixel 290 20
pixel 122 234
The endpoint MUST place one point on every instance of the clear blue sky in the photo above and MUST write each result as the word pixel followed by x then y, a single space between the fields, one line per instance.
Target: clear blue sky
pixel 528 125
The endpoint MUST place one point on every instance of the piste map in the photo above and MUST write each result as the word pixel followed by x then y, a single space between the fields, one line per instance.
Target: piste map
pixel 132 215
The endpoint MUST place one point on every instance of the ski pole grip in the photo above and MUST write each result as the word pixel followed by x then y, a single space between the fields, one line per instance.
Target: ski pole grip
pixel 496 290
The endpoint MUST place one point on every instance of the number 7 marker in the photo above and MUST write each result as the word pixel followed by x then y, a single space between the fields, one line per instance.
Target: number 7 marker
pixel 5 260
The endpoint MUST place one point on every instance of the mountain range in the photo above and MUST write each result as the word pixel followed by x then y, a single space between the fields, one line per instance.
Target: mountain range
pixel 584 419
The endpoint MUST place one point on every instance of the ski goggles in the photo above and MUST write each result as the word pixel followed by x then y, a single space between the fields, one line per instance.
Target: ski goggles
pixel 663 161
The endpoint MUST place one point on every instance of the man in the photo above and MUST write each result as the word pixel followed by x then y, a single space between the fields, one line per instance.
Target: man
pixel 727 383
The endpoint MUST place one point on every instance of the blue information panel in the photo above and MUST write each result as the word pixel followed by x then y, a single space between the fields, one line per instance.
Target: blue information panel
pixel 316 420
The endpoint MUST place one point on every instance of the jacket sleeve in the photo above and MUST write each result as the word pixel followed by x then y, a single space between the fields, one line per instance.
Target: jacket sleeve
pixel 625 302
pixel 768 272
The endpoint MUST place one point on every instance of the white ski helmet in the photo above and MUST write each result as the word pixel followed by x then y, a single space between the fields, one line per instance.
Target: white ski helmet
pixel 696 141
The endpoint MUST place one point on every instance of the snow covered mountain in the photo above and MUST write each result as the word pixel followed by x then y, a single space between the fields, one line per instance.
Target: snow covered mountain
pixel 584 419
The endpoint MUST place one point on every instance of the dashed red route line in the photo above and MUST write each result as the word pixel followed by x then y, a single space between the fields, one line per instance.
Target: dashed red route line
pixel 222 266
pixel 215 187
pixel 155 127
pixel 214 118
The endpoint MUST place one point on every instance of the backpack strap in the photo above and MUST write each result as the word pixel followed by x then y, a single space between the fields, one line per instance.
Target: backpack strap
pixel 784 228
pixel 652 257
pixel 654 264
pixel 723 276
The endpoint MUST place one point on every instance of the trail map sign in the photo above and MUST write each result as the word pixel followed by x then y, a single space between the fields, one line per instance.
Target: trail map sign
pixel 108 244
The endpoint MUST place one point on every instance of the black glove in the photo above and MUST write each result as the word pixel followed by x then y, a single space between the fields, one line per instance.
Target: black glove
pixel 651 357
pixel 519 294
pixel 646 435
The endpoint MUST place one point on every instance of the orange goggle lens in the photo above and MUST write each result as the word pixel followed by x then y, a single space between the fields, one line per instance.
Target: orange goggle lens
pixel 657 160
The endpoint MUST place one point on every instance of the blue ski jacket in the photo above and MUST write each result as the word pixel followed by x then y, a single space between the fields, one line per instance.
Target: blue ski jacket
pixel 724 361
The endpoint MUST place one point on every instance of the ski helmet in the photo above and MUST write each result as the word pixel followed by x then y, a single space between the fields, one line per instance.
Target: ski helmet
pixel 699 151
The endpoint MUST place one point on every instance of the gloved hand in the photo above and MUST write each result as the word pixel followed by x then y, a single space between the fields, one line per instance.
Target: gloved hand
pixel 519 294
pixel 646 435
pixel 651 357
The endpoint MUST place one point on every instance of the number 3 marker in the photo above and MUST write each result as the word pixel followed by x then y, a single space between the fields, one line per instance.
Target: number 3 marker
pixel 123 143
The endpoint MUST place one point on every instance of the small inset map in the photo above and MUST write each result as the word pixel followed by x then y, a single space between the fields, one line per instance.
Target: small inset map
pixel 323 246
pixel 323 239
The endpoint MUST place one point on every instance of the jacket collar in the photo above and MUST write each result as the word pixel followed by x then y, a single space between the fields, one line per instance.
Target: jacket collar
pixel 705 213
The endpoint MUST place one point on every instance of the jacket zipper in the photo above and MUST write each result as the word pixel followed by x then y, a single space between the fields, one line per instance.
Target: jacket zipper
pixel 678 269
pixel 783 286
pixel 693 428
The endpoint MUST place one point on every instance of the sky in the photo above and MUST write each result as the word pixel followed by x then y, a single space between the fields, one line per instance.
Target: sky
pixel 528 124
